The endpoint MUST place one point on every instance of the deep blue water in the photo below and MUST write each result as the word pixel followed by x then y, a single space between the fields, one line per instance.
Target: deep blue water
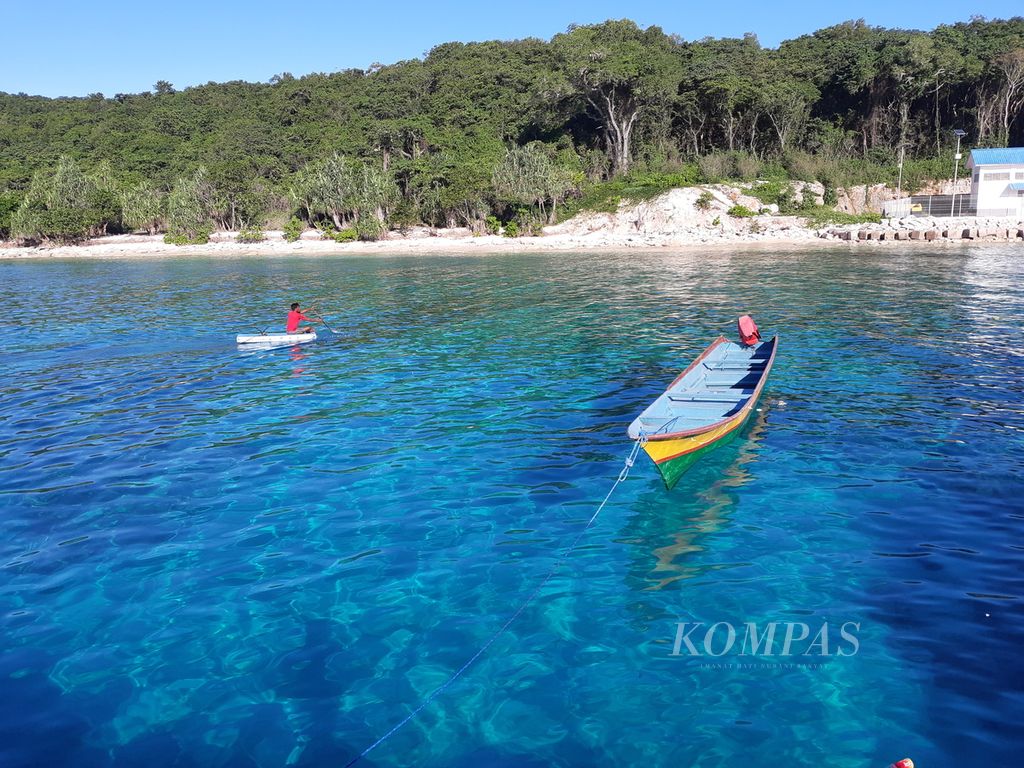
pixel 213 557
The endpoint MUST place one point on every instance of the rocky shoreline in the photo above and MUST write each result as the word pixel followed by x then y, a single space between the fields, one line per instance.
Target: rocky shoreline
pixel 929 229
pixel 691 217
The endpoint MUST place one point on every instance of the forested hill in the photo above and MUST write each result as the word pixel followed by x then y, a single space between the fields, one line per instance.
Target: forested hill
pixel 593 103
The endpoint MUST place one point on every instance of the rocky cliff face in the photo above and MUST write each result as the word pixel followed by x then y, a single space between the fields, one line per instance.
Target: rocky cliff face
pixel 674 217
pixel 864 198
pixel 673 211
pixel 870 198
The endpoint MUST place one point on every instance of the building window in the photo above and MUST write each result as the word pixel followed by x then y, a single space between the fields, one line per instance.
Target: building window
pixel 1004 176
pixel 1020 175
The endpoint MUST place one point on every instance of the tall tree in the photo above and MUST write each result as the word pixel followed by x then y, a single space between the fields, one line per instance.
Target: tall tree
pixel 1011 91
pixel 787 105
pixel 618 72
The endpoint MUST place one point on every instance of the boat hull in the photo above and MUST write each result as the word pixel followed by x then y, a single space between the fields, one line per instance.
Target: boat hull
pixel 275 339
pixel 674 457
pixel 704 407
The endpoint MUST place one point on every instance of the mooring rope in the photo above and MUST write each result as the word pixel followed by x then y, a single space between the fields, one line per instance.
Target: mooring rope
pixel 630 460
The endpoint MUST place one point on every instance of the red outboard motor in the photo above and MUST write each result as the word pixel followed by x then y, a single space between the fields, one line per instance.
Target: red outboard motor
pixel 749 335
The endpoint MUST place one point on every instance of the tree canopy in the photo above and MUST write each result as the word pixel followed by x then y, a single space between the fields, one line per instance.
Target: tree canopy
pixel 600 101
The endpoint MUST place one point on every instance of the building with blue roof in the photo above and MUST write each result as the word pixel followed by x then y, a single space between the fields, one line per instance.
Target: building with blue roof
pixel 997 181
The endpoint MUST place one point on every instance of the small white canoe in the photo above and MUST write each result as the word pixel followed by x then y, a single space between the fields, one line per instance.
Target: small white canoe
pixel 275 338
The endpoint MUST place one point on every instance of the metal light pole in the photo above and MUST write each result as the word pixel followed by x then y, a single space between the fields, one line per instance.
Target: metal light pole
pixel 899 181
pixel 956 168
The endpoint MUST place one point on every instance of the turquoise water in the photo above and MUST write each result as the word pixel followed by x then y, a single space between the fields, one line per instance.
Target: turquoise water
pixel 226 558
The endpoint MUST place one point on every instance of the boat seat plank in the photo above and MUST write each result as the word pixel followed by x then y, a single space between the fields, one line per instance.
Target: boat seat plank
pixel 705 398
pixel 751 367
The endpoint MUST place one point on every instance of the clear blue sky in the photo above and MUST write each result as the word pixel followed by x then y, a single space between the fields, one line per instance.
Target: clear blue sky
pixel 75 48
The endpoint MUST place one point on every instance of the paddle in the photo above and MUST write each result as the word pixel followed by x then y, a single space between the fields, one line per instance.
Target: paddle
pixel 325 322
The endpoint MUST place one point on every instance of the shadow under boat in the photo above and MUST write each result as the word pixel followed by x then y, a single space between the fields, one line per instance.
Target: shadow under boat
pixel 667 530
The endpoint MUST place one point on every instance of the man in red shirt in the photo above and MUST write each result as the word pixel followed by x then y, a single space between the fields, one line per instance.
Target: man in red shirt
pixel 295 317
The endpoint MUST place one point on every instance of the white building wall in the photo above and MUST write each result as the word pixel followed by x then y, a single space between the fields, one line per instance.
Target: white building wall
pixel 991 194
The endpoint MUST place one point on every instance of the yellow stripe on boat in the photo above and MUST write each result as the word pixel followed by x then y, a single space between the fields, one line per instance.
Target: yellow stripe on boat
pixel 704 405
pixel 663 450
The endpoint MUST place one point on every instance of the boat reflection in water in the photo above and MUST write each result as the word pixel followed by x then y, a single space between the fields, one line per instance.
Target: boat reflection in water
pixel 703 512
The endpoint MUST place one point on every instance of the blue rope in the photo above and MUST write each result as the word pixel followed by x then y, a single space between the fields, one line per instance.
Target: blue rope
pixel 630 460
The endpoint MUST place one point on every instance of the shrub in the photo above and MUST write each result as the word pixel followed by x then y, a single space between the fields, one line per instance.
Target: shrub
pixel 773 170
pixel 64 205
pixel 821 216
pixel 801 165
pixel 62 224
pixel 703 202
pixel 491 225
pixel 251 235
pixel 369 228
pixel 527 176
pixel 830 198
pixel 339 235
pixel 198 237
pixel 778 192
pixel 293 229
pixel 741 212
pixel 747 166
pixel 9 203
pixel 714 167
pixel 338 188
pixel 405 217
pixel 511 229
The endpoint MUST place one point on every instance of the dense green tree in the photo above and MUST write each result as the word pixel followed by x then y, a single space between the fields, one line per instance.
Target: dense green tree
pixel 787 106
pixel 9 203
pixel 1011 91
pixel 191 207
pixel 614 98
pixel 65 205
pixel 618 72
pixel 722 81
pixel 142 207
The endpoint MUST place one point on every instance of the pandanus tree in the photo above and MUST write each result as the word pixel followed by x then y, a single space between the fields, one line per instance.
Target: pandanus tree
pixel 66 205
pixel 527 176
pixel 343 190
pixel 142 207
pixel 191 206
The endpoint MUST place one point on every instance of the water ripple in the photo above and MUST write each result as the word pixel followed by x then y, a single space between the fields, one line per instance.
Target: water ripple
pixel 224 557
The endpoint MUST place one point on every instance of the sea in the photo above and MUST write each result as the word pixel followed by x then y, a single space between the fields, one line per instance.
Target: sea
pixel 362 548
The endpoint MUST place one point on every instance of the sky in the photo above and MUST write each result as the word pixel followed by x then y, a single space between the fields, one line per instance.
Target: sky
pixel 124 46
